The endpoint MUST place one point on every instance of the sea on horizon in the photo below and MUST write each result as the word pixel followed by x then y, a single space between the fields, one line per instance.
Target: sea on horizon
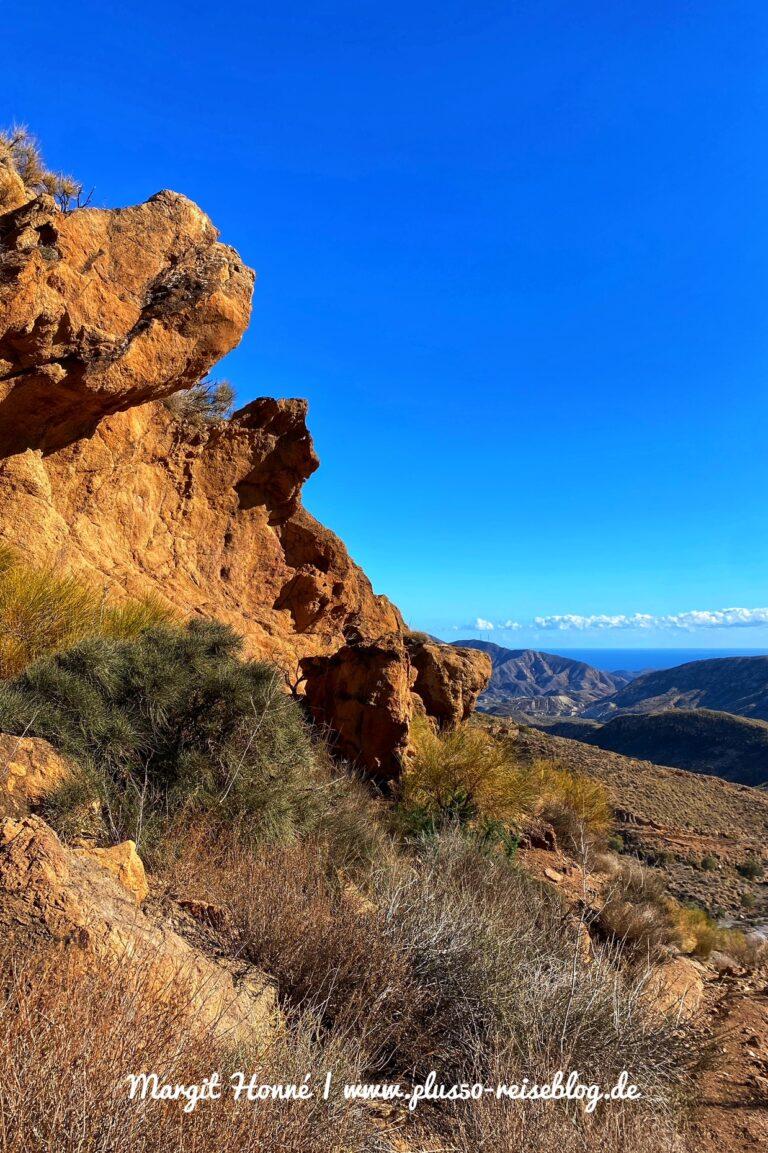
pixel 643 660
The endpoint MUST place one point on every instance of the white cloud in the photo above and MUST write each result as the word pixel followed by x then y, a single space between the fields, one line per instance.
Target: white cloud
pixel 600 622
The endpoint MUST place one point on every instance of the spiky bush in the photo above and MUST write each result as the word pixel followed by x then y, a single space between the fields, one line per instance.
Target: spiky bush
pixel 175 722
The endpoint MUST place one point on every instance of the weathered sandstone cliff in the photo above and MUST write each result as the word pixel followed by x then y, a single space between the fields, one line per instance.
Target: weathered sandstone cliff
pixel 102 315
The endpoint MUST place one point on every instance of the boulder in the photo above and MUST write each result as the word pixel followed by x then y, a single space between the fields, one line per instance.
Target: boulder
pixel 362 694
pixel 29 770
pixel 70 896
pixel 675 988
pixel 124 863
pixel 448 680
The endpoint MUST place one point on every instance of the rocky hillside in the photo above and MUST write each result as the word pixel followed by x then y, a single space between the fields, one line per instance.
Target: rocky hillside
pixel 699 832
pixel 526 681
pixel 696 739
pixel 103 314
pixel 726 684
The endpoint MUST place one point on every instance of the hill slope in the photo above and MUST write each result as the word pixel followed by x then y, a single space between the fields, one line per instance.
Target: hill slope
pixel 699 740
pixel 672 819
pixel 527 681
pixel 726 684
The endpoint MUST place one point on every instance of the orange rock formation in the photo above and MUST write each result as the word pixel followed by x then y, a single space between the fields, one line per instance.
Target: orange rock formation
pixel 102 315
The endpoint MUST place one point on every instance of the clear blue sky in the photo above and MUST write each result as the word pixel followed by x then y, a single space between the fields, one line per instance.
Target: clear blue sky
pixel 515 255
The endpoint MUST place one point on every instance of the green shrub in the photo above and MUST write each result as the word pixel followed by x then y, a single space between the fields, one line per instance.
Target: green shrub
pixel 709 863
pixel 173 720
pixel 752 869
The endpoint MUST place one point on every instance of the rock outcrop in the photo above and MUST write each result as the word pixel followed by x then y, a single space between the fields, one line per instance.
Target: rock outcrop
pixel 102 310
pixel 363 694
pixel 102 315
pixel 30 769
pixel 448 680
pixel 66 895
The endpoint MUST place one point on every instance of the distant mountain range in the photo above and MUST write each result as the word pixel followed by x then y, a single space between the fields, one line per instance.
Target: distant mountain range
pixel 531 682
pixel 706 716
pixel 727 684
pixel 699 740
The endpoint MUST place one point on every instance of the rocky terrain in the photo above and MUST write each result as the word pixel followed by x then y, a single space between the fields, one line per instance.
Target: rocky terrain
pixel 700 740
pixel 103 313
pixel 525 681
pixel 192 873
pixel 698 831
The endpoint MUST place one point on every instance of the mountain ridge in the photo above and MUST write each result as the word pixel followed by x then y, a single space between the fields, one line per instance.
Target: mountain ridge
pixel 536 682
pixel 737 685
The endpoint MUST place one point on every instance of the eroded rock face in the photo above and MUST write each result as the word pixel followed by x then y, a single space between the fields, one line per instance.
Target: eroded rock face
pixel 363 694
pixel 104 313
pixel 68 895
pixel 101 310
pixel 448 680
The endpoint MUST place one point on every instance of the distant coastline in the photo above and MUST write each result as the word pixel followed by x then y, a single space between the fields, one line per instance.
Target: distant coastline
pixel 635 660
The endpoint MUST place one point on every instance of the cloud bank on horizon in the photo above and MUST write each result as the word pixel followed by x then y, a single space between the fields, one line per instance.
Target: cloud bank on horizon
pixel 600 622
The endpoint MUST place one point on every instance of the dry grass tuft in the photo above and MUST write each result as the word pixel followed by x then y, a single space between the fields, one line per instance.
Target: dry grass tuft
pixel 471 777
pixel 44 611
pixel 695 925
pixel 463 775
pixel 637 915
pixel 20 151
pixel 69 1036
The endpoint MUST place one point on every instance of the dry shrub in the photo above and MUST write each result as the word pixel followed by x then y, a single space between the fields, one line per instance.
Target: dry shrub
pixel 576 806
pixel 455 961
pixel 695 925
pixel 506 983
pixel 204 403
pixel 463 775
pixel 21 152
pixel 69 1036
pixel 321 939
pixel 44 611
pixel 637 915
pixel 491 1126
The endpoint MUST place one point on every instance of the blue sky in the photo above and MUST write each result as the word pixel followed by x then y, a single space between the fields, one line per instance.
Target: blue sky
pixel 515 255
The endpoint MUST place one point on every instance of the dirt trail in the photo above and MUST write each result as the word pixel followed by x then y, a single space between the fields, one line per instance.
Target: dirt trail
pixel 732 1114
